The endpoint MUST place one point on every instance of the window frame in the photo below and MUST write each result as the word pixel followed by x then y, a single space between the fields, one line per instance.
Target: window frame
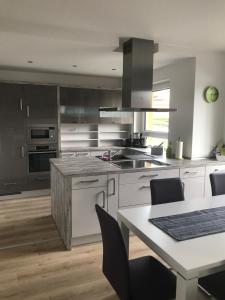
pixel 157 134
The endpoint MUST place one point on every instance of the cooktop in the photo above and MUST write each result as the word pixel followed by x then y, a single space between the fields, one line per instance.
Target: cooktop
pixel 133 164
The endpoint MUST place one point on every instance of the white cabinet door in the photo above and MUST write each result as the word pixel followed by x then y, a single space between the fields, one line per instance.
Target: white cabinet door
pixel 84 218
pixel 134 194
pixel 193 187
pixel 209 170
pixel 112 193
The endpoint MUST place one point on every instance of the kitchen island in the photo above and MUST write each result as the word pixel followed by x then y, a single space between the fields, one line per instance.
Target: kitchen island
pixel 77 184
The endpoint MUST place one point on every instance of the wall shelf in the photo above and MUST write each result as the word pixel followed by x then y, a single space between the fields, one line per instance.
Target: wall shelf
pixel 89 135
pixel 77 140
pixel 77 132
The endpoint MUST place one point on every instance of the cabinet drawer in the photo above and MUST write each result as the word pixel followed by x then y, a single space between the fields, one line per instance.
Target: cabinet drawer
pixel 38 183
pixel 192 172
pixel 134 194
pixel 147 176
pixel 214 169
pixel 88 182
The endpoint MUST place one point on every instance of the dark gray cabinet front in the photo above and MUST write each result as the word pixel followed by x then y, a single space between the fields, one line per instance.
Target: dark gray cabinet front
pixel 82 105
pixel 20 105
pixel 79 105
pixel 40 102
pixel 13 164
pixel 38 182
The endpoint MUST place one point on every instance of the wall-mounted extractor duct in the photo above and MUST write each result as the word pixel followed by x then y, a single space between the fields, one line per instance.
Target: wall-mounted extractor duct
pixel 137 77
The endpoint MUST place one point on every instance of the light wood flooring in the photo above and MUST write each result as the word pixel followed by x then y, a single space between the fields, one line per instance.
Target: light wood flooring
pixel 34 264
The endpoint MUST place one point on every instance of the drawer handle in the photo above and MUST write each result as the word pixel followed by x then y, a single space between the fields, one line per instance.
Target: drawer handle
pixel 9 183
pixel 103 198
pixel 114 187
pixel 183 186
pixel 21 104
pixel 22 152
pixel 28 111
pixel 191 173
pixel 149 176
pixel 144 187
pixel 42 178
pixel 89 181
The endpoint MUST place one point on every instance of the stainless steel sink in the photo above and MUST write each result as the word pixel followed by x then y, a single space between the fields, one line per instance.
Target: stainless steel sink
pixel 114 158
pixel 137 164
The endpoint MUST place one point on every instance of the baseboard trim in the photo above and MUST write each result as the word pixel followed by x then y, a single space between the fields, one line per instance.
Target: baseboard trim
pixel 86 239
pixel 27 194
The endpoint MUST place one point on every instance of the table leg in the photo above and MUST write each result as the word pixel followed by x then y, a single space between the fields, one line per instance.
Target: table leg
pixel 186 289
pixel 125 234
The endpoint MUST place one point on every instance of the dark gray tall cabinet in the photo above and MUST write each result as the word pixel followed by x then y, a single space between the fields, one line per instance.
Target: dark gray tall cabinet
pixel 40 103
pixel 13 167
pixel 20 105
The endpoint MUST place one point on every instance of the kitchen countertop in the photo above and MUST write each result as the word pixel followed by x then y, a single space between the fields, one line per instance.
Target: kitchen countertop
pixel 82 149
pixel 113 148
pixel 88 166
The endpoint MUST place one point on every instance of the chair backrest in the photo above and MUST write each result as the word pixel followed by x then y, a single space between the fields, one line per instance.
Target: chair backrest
pixel 115 259
pixel 166 190
pixel 217 183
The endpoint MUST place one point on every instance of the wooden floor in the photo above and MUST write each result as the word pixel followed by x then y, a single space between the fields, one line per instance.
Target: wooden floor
pixel 35 265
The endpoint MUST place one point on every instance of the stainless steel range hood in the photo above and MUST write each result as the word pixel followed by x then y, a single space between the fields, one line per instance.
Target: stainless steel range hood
pixel 137 77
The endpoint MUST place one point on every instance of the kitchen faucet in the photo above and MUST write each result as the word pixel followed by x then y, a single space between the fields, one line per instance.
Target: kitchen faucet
pixel 110 155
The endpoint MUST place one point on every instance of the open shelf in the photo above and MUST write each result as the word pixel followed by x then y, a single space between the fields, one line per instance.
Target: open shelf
pixel 93 135
pixel 112 139
pixel 77 132
pixel 114 131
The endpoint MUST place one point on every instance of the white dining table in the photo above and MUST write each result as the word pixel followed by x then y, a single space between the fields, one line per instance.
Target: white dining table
pixel 190 259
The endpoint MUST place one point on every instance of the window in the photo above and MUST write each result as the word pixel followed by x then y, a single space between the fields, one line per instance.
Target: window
pixel 157 123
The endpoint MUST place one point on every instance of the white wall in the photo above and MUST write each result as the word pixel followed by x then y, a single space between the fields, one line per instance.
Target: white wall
pixel 181 75
pixel 208 125
pixel 61 79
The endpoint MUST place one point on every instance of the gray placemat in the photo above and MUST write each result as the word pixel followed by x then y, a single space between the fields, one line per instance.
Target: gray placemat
pixel 192 225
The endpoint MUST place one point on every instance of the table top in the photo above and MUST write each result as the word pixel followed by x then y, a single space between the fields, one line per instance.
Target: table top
pixel 191 258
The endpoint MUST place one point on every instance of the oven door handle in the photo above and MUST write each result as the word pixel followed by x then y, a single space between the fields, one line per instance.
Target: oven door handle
pixel 41 152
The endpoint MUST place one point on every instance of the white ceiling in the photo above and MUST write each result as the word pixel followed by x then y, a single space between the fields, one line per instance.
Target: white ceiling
pixel 56 34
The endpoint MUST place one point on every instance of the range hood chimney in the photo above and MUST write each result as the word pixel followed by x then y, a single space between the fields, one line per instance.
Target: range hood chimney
pixel 137 77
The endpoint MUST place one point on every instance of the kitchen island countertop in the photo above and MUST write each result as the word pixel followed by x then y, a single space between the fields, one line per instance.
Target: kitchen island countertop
pixel 87 166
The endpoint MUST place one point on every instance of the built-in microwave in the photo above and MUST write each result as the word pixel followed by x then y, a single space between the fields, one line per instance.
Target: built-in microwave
pixel 42 134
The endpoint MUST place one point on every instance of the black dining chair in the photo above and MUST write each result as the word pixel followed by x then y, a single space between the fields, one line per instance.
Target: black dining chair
pixel 143 278
pixel 166 190
pixel 217 183
pixel 214 285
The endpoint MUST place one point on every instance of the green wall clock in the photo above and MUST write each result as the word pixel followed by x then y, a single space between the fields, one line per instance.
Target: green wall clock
pixel 211 94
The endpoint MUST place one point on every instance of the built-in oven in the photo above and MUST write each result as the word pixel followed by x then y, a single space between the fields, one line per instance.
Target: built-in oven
pixel 42 134
pixel 39 156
